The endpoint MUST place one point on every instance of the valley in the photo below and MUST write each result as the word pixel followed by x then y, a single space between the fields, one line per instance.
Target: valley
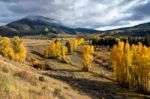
pixel 74 49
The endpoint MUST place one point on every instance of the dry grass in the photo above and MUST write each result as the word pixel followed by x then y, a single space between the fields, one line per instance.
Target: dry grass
pixel 19 81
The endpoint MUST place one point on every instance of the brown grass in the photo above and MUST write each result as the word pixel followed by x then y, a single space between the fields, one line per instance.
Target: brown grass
pixel 20 81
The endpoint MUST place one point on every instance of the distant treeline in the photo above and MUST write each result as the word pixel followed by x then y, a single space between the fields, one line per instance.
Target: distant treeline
pixel 110 41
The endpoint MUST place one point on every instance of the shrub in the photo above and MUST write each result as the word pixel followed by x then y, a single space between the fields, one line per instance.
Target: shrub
pixel 38 64
pixel 23 75
pixel 5 69
pixel 41 78
pixel 57 92
pixel 69 46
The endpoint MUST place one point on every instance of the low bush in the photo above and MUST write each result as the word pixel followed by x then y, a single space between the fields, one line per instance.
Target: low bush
pixel 41 78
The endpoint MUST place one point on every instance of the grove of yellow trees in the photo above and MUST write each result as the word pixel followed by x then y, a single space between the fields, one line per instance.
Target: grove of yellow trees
pixel 131 65
pixel 13 48
pixel 87 56
pixel 73 44
pixel 57 50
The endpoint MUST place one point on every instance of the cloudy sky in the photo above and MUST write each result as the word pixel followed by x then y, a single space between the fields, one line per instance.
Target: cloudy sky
pixel 96 14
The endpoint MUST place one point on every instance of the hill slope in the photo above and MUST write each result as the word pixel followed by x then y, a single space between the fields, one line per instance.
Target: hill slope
pixel 19 81
pixel 138 30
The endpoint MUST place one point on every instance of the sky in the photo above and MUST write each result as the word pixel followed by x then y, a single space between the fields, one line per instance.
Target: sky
pixel 94 14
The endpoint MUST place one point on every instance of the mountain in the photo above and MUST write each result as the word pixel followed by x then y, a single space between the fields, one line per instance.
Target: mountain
pixel 34 25
pixel 140 30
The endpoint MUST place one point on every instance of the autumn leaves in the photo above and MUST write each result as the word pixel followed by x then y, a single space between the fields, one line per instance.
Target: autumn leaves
pixel 13 48
pixel 87 56
pixel 131 62
pixel 131 65
pixel 58 51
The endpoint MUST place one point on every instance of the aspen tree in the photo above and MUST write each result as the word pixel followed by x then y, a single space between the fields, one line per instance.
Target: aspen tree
pixel 13 49
pixel 19 49
pixel 81 41
pixel 87 56
pixel 131 65
pixel 6 48
pixel 74 44
pixel 57 50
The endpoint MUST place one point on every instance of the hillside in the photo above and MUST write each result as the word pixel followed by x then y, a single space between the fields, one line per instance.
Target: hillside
pixel 20 81
pixel 35 25
pixel 136 31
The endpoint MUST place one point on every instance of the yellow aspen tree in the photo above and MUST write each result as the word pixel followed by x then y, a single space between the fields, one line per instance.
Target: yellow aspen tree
pixel 131 65
pixel 19 49
pixel 87 56
pixel 63 53
pixel 6 47
pixel 81 41
pixel 51 52
pixel 22 53
pixel 117 60
pixel 141 65
pixel 74 44
pixel 57 50
pixel 126 64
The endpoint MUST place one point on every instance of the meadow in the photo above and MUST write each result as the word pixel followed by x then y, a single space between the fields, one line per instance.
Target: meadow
pixel 47 76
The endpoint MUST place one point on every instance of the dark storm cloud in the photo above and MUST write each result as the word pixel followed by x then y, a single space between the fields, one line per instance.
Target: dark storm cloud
pixel 98 14
pixel 10 0
pixel 143 9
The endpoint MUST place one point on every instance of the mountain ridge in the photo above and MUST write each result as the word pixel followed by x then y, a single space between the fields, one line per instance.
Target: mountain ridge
pixel 33 25
pixel 140 30
pixel 36 25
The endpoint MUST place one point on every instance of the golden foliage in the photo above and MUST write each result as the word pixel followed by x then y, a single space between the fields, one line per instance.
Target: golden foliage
pixel 73 44
pixel 13 49
pixel 5 48
pixel 87 56
pixel 131 65
pixel 57 50
pixel 19 49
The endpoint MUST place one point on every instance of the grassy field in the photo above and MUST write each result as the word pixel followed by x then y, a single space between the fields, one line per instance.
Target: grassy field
pixel 22 81
pixel 99 83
